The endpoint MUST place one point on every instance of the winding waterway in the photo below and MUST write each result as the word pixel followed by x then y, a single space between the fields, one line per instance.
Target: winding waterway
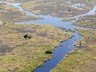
pixel 65 47
pixel 59 53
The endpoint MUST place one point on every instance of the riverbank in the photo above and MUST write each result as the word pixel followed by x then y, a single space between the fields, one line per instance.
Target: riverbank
pixel 19 54
pixel 82 58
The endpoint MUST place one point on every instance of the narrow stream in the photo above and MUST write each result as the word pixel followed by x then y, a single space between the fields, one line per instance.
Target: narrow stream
pixel 59 53
pixel 64 47
pixel 91 12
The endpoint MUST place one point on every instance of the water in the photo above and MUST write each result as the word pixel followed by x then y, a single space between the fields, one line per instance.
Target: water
pixel 78 6
pixel 46 19
pixel 64 47
pixel 91 12
pixel 59 53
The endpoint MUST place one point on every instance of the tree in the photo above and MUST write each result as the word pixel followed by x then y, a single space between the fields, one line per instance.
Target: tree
pixel 48 52
pixel 26 36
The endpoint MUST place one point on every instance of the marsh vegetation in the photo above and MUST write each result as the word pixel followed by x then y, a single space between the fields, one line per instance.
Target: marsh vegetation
pixel 21 55
pixel 24 47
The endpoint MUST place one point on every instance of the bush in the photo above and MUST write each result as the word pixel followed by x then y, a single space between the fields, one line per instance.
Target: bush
pixel 48 52
pixel 26 36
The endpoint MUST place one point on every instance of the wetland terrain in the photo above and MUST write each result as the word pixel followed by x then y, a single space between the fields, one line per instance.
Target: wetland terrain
pixel 47 35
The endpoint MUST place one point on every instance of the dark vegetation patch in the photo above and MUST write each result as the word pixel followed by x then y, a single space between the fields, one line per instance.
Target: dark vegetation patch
pixel 27 36
pixel 48 52
pixel 5 49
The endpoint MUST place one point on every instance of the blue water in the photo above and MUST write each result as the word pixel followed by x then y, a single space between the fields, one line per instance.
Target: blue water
pixel 59 54
pixel 79 5
pixel 61 51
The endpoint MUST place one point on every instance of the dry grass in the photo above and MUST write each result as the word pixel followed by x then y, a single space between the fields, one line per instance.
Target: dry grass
pixel 87 21
pixel 61 8
pixel 25 55
pixel 11 13
pixel 83 58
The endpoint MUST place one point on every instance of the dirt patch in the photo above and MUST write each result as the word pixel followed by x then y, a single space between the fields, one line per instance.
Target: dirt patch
pixel 24 30
pixel 41 34
pixel 5 49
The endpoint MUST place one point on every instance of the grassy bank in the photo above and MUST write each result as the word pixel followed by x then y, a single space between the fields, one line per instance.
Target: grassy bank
pixel 83 58
pixel 18 54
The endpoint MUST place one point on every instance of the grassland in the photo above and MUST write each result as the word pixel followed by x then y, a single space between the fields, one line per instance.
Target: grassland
pixel 58 8
pixel 87 21
pixel 18 54
pixel 11 13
